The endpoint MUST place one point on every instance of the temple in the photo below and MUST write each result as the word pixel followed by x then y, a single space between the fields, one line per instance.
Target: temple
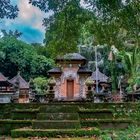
pixel 70 77
pixel 22 88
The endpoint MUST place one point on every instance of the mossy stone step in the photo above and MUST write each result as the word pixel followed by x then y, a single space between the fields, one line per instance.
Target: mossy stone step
pixel 56 124
pixel 59 109
pixel 107 123
pixel 96 113
pixel 57 116
pixel 83 110
pixel 16 133
pixel 24 114
pixel 7 125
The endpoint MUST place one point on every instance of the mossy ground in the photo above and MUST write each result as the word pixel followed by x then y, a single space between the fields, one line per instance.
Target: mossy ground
pixel 132 133
pixel 35 138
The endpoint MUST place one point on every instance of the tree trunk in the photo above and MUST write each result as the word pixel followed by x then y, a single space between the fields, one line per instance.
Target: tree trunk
pixel 113 76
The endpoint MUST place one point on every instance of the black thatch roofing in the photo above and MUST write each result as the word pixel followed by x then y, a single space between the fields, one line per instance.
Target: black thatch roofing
pixel 55 70
pixel 2 78
pixel 100 76
pixel 84 70
pixel 22 83
pixel 71 56
pixel 4 81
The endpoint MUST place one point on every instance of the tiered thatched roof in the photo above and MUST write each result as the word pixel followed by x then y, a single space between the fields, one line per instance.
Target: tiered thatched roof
pixel 100 76
pixel 4 81
pixel 22 83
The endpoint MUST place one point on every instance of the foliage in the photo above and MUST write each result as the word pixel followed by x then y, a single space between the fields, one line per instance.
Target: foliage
pixel 40 84
pixel 11 33
pixel 132 133
pixel 7 10
pixel 16 55
pixel 110 28
pixel 63 27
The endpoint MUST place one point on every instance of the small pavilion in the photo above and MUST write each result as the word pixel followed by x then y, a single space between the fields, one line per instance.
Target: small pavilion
pixel 22 87
pixel 102 80
pixel 6 89
pixel 70 77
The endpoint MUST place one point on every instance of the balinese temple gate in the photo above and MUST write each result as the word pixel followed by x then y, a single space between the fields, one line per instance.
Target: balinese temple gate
pixel 70 77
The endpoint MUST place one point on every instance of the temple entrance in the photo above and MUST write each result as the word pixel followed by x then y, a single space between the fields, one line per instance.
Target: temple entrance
pixel 70 89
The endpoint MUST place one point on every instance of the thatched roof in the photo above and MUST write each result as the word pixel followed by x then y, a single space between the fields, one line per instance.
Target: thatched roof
pixel 4 81
pixel 71 57
pixel 22 83
pixel 84 70
pixel 55 70
pixel 2 78
pixel 100 76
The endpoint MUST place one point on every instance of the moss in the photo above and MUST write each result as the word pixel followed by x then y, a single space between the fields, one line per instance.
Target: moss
pixel 98 115
pixel 24 114
pixel 107 123
pixel 58 116
pixel 54 133
pixel 7 125
pixel 59 108
pixel 56 124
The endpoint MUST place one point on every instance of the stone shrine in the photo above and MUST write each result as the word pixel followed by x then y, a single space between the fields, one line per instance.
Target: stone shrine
pixel 70 77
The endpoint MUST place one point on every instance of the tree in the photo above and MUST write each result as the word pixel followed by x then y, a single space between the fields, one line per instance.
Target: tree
pixel 110 28
pixel 16 55
pixel 63 27
pixel 7 10
pixel 11 33
pixel 40 84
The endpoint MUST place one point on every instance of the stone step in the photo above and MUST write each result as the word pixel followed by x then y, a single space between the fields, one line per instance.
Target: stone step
pixel 26 132
pixel 7 125
pixel 57 116
pixel 96 110
pixel 56 124
pixel 24 114
pixel 96 114
pixel 107 123
pixel 58 109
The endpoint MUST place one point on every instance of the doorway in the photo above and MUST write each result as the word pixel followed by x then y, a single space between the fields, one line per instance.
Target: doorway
pixel 70 89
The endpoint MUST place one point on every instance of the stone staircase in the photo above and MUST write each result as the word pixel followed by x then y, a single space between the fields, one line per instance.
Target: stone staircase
pixel 102 118
pixel 64 119
pixel 57 117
